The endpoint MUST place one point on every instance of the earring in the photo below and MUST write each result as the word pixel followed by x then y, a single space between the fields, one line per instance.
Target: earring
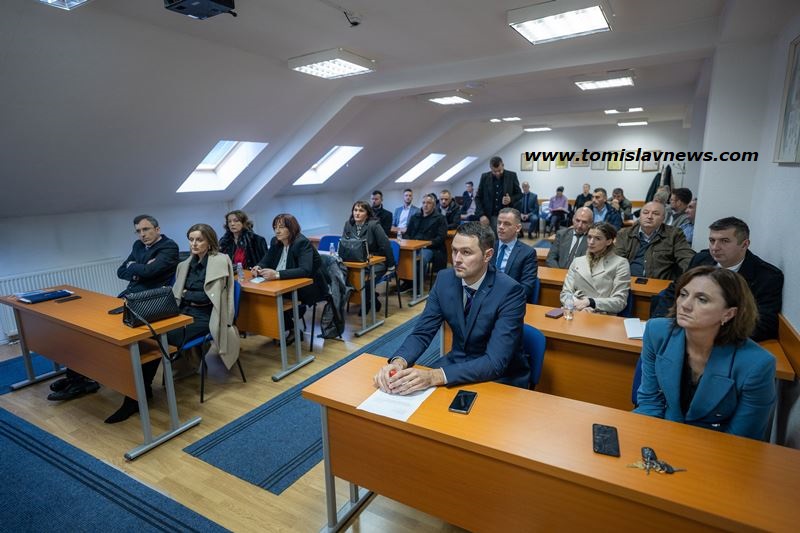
pixel 722 323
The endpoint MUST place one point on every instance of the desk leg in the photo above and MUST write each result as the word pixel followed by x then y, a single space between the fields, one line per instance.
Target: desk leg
pixel 144 413
pixel 358 497
pixel 285 368
pixel 26 358
pixel 418 282
pixel 374 323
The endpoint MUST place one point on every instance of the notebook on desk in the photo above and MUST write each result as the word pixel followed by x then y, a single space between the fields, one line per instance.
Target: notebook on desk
pixel 34 297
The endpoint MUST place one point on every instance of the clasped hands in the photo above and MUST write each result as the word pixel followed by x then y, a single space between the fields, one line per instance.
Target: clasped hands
pixel 583 304
pixel 266 273
pixel 394 378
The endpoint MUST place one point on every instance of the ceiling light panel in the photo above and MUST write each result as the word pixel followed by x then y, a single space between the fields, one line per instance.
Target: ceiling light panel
pixel 449 98
pixel 620 78
pixel 561 19
pixel 64 4
pixel 332 64
pixel 626 123
pixel 537 129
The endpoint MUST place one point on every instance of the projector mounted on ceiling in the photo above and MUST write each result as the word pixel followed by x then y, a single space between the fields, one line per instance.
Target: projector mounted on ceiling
pixel 200 9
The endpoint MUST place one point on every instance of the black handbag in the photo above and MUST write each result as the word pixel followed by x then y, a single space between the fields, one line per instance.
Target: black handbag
pixel 353 250
pixel 149 306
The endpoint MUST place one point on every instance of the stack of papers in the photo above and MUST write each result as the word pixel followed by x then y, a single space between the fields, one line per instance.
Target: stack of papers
pixel 634 328
pixel 394 405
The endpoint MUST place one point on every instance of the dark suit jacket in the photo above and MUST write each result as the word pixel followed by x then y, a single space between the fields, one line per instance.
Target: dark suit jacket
pixel 384 217
pixel 144 275
pixel 484 198
pixel 466 201
pixel 766 284
pixel 522 266
pixel 430 228
pixel 735 394
pixel 612 216
pixel 532 207
pixel 452 215
pixel 302 261
pixel 559 250
pixel 487 344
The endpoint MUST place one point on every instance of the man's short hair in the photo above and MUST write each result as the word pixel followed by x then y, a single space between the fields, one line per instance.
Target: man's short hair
pixel 740 227
pixel 148 218
pixel 602 190
pixel 560 188
pixel 470 183
pixel 495 161
pixel 683 194
pixel 484 234
pixel 444 191
pixel 379 193
pixel 514 212
pixel 618 190
pixel 408 190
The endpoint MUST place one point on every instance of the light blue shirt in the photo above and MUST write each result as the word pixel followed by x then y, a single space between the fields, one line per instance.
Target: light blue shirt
pixel 504 260
pixel 600 216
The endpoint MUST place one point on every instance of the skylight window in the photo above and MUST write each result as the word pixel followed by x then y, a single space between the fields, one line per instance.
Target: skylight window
pixel 222 165
pixel 67 5
pixel 326 167
pixel 455 169
pixel 420 168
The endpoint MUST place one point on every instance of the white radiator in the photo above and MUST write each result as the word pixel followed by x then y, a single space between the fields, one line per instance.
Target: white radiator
pixel 98 276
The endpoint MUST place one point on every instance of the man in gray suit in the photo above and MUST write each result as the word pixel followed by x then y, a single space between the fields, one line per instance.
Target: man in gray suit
pixel 570 242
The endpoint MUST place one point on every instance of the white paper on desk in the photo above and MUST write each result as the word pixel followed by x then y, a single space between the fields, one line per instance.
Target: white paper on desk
pixel 634 328
pixel 394 405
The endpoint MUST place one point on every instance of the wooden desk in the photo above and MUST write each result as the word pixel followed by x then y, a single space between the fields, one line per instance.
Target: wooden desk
pixel 523 461
pixel 82 335
pixel 409 257
pixel 261 308
pixel 356 277
pixel 541 256
pixel 552 280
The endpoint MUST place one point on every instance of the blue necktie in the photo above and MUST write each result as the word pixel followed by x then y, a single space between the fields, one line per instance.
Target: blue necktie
pixel 470 295
pixel 500 257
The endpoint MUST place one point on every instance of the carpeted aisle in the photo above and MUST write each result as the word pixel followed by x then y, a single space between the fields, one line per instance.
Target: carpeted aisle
pixel 13 370
pixel 49 485
pixel 275 444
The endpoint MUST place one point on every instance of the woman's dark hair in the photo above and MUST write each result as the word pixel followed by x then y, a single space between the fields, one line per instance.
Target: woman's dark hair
pixel 736 293
pixel 364 205
pixel 243 218
pixel 608 231
pixel 289 222
pixel 208 234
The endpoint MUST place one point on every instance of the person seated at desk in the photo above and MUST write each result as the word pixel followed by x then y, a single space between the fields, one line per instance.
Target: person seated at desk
pixel 603 211
pixel 485 311
pixel 449 209
pixel 239 242
pixel 403 214
pixel 291 256
pixel 528 207
pixel 428 225
pixel 585 198
pixel 621 204
pixel 151 264
pixel 514 257
pixel 383 216
pixel 468 203
pixel 570 242
pixel 204 285
pixel 600 280
pixel 559 208
pixel 362 225
pixel 699 367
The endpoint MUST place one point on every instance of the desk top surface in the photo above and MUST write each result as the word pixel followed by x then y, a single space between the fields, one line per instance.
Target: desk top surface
pixel 373 260
pixel 412 244
pixel 275 287
pixel 730 482
pixel 89 314
pixel 556 276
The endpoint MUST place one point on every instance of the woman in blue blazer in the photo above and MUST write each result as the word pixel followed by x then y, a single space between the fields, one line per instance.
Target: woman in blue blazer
pixel 699 367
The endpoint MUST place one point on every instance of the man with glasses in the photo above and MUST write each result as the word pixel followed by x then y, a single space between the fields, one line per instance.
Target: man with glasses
pixel 151 264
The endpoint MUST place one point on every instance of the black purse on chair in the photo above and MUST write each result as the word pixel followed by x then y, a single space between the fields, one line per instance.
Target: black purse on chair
pixel 353 250
pixel 149 306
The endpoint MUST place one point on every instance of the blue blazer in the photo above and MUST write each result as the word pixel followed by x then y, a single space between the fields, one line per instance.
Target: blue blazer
pixel 735 395
pixel 522 266
pixel 487 344
pixel 413 210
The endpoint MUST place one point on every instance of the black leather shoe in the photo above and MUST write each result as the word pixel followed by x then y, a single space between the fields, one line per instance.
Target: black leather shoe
pixel 74 390
pixel 60 384
pixel 129 407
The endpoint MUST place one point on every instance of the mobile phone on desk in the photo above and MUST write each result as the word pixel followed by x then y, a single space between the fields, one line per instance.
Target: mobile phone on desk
pixel 555 313
pixel 68 298
pixel 605 440
pixel 641 281
pixel 463 401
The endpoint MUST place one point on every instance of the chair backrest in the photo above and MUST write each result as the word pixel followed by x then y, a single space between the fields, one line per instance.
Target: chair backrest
pixel 237 292
pixel 537 285
pixel 637 380
pixel 396 252
pixel 533 342
pixel 326 241
pixel 628 311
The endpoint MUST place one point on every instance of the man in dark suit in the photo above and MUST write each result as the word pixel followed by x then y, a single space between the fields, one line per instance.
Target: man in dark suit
pixel 484 309
pixel 728 243
pixel 429 225
pixel 603 211
pixel 449 209
pixel 384 216
pixel 497 189
pixel 151 264
pixel 570 242
pixel 514 257
pixel 468 203
pixel 528 207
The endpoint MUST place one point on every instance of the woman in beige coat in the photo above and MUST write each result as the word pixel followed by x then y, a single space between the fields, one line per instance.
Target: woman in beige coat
pixel 599 282
pixel 204 287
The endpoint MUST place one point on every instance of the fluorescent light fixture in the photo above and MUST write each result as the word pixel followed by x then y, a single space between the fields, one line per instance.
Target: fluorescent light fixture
pixel 455 169
pixel 420 168
pixel 67 5
pixel 511 119
pixel 328 165
pixel 619 78
pixel 449 98
pixel 635 109
pixel 625 123
pixel 561 19
pixel 222 165
pixel 630 110
pixel 611 112
pixel 495 120
pixel 534 129
pixel 332 64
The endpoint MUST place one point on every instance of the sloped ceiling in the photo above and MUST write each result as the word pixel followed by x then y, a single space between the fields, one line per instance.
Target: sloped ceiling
pixel 116 102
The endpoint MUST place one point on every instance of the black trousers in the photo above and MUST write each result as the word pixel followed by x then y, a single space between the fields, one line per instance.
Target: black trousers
pixel 178 337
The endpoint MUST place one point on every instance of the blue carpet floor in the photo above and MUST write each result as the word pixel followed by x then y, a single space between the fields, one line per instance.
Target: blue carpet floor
pixel 13 370
pixel 49 485
pixel 275 444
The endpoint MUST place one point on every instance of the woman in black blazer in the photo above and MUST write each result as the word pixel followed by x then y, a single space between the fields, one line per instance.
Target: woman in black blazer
pixel 362 225
pixel 240 242
pixel 290 256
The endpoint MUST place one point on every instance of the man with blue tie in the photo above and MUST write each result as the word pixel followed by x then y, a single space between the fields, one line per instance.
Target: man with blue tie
pixel 528 207
pixel 484 309
pixel 514 257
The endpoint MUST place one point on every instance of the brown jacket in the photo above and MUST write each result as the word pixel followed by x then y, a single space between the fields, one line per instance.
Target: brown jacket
pixel 667 256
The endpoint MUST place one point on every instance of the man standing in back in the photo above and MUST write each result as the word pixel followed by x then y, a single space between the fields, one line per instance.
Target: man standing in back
pixel 497 189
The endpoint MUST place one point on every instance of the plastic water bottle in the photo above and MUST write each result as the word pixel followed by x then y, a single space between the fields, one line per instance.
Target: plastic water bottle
pixel 239 272
pixel 399 235
pixel 569 307
pixel 332 250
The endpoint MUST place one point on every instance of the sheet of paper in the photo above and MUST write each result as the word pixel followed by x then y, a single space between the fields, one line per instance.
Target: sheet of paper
pixel 634 328
pixel 394 405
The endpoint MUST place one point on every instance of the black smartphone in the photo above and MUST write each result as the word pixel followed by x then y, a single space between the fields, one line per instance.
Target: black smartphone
pixel 641 281
pixel 605 440
pixel 463 401
pixel 117 310
pixel 555 313
pixel 68 298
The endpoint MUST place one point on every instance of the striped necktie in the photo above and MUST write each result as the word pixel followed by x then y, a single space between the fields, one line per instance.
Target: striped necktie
pixel 470 292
